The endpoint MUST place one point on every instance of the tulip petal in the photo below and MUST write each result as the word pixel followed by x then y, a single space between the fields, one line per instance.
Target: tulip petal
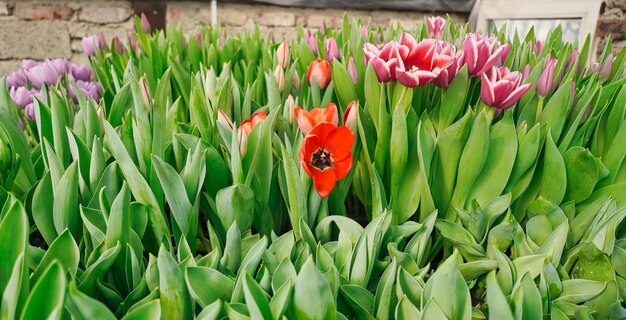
pixel 339 143
pixel 323 181
pixel 342 168
pixel 515 96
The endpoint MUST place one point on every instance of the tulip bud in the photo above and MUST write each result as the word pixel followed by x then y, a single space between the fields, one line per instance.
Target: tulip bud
pixel 89 46
pixel 198 38
pixel 311 40
pixel 145 24
pixel 6 156
pixel 222 39
pixel 132 41
pixel 28 64
pixel 295 80
pixel 605 71
pixel 145 93
pixel 16 79
pixel 364 31
pixel 525 72
pixel 282 54
pixel 349 116
pixel 571 60
pixel 242 137
pixel 352 71
pixel 320 71
pixel 332 50
pixel 538 46
pixel 290 104
pixel 435 26
pixel 279 75
pixel 223 119
pixel 29 112
pixel 118 45
pixel 102 42
pixel 101 116
pixel 21 96
pixel 546 80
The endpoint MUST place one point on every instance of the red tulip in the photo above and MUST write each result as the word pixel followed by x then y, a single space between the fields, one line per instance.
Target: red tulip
pixel 435 26
pixel 256 118
pixel 384 59
pixel 320 71
pixel 326 156
pixel 447 75
pixel 483 53
pixel 423 63
pixel 502 90
pixel 307 120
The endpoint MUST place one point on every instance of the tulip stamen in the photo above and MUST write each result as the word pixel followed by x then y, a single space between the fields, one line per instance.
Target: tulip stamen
pixel 321 159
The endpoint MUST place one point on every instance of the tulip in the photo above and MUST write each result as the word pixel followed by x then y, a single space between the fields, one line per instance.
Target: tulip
pixel 16 79
pixel 538 46
pixel 223 119
pixel 447 75
pixel 88 89
pixel 326 156
pixel 29 112
pixel 349 116
pixel 571 61
pixel 282 54
pixel 482 53
pixel 222 39
pixel 145 24
pixel 311 40
pixel 21 96
pixel 354 76
pixel 132 41
pixel 546 80
pixel 61 65
pixel 290 104
pixel 198 38
pixel 43 73
pixel 320 71
pixel 308 120
pixel 279 75
pixel 435 26
pixel 242 138
pixel 295 80
pixel 90 44
pixel 502 89
pixel 118 45
pixel 256 118
pixel 384 59
pixel 145 93
pixel 28 64
pixel 604 72
pixel 81 72
pixel 526 72
pixel 332 50
pixel 423 63
pixel 21 122
pixel 102 42
pixel 364 31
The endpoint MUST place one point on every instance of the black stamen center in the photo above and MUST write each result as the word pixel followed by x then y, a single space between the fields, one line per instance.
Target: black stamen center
pixel 321 159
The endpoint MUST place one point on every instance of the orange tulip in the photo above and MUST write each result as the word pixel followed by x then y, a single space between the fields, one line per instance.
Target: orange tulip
pixel 307 120
pixel 326 156
pixel 249 124
pixel 320 71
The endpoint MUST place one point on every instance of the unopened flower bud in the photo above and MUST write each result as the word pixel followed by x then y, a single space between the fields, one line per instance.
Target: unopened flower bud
pixel 295 80
pixel 223 119
pixel 145 93
pixel 279 75
pixel 145 24
pixel 242 137
pixel 349 116
pixel 282 54
pixel 290 104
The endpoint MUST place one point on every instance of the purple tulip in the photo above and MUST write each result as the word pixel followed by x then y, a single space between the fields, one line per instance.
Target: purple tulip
pixel 61 65
pixel 28 64
pixel 384 59
pixel 81 72
pixel 132 41
pixel 571 61
pixel 29 111
pixel 546 80
pixel 447 75
pixel 21 96
pixel 118 45
pixel 43 73
pixel 502 89
pixel 435 26
pixel 21 122
pixel 90 44
pixel 88 89
pixel 311 40
pixel 604 72
pixel 526 72
pixel 145 24
pixel 482 53
pixel 332 50
pixel 352 70
pixel 102 42
pixel 16 79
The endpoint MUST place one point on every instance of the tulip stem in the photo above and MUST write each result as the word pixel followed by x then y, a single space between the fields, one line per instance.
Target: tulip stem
pixel 539 110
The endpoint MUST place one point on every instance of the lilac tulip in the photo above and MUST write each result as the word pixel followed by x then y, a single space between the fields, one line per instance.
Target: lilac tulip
pixel 16 79
pixel 332 50
pixel 43 73
pixel 102 42
pixel 546 80
pixel 28 64
pixel 311 40
pixel 21 122
pixel 61 65
pixel 90 44
pixel 81 72
pixel 132 41
pixel 447 75
pixel 384 59
pixel 435 26
pixel 570 62
pixel 145 24
pixel 502 89
pixel 352 72
pixel 29 111
pixel 118 45
pixel 21 96
pixel 604 72
pixel 482 53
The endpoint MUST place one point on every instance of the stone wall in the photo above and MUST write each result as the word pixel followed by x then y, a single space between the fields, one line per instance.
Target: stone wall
pixel 42 29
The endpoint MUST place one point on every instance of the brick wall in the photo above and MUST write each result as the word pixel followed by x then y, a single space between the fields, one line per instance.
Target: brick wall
pixel 53 28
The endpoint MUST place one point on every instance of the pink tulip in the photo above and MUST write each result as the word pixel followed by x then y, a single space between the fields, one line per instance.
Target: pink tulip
pixel 282 54
pixel 21 96
pixel 423 63
pixel 102 42
pixel 43 73
pixel 546 80
pixel 118 45
pixel 16 79
pixel 526 72
pixel 29 112
pixel 364 31
pixel 311 40
pixel 198 38
pixel 604 72
pixel 482 53
pixel 538 46
pixel 332 50
pixel 354 76
pixel 502 89
pixel 27 64
pixel 90 44
pixel 384 59
pixel 145 24
pixel 447 75
pixel 132 41
pixel 435 26
pixel 81 72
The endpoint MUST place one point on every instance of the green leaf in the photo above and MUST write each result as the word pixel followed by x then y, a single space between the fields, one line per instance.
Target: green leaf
pixel 175 300
pixel 235 203
pixel 46 299
pixel 496 301
pixel 448 289
pixel 312 297
pixel 526 299
pixel 556 111
pixel 582 173
pixel 65 208
pixel 82 306
pixel 554 176
pixel 63 250
pixel 150 310
pixel 13 238
pixel 256 299
pixel 206 285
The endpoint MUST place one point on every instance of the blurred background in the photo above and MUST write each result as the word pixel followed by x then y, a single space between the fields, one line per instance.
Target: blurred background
pixel 54 28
